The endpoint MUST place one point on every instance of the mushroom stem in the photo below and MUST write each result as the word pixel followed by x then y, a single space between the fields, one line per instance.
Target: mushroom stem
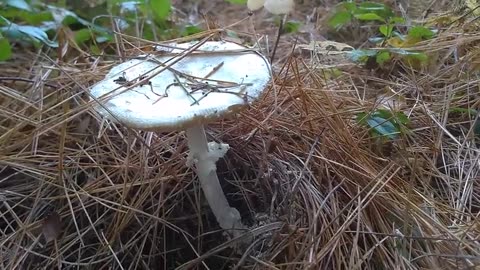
pixel 204 156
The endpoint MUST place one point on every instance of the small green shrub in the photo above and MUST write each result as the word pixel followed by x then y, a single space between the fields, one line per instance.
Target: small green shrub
pixel 392 42
pixel 35 24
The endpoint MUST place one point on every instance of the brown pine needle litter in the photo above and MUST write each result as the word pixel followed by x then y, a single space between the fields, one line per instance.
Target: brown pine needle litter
pixel 319 189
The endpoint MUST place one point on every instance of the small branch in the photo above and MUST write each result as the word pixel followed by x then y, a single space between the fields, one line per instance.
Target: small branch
pixel 280 31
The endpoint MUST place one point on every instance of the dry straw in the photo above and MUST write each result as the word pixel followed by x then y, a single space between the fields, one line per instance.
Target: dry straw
pixel 321 192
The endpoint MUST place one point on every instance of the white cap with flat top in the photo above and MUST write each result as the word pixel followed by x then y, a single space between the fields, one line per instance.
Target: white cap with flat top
pixel 216 80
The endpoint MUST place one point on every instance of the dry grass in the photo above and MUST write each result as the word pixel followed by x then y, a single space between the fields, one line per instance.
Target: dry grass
pixel 321 192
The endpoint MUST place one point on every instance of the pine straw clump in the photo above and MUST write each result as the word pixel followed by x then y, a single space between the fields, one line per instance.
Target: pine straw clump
pixel 323 193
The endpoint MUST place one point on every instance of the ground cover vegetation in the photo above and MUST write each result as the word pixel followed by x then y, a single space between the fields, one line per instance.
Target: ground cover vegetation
pixel 363 152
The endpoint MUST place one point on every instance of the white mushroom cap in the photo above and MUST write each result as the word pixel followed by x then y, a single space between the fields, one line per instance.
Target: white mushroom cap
pixel 165 104
pixel 255 4
pixel 279 6
pixel 273 6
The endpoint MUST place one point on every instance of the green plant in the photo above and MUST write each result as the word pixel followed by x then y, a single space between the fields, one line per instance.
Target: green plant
pixel 34 24
pixel 291 26
pixel 391 41
pixel 37 24
pixel 345 12
pixel 384 122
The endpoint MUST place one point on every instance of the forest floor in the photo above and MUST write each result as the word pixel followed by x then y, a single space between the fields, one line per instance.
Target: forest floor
pixel 312 166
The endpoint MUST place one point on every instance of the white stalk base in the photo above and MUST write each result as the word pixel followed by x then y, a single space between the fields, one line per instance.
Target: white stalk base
pixel 204 156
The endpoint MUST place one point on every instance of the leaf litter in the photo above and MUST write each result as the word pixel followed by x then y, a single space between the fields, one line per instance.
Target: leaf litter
pixel 330 195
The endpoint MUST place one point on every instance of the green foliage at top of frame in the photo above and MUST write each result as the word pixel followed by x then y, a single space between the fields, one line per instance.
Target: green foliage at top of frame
pixel 33 23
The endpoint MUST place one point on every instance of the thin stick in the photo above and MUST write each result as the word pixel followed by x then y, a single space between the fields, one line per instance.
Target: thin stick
pixel 280 30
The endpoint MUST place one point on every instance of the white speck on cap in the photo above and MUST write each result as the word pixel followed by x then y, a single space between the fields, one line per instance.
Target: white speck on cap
pixel 140 107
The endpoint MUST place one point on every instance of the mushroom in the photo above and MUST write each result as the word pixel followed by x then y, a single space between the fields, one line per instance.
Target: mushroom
pixel 274 6
pixel 277 7
pixel 215 80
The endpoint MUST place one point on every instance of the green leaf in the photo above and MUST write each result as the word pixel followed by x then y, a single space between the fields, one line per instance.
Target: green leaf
pixel 339 19
pixel 398 34
pixel 401 118
pixel 237 2
pixel 386 30
pixel 20 4
pixel 190 30
pixel 347 6
pixel 369 17
pixel 383 126
pixel 420 32
pixel 383 57
pixel 361 55
pixel 380 9
pixel 67 17
pixel 95 50
pixel 104 38
pixel 161 8
pixel 362 118
pixel 129 6
pixel 383 122
pixel 397 20
pixel 4 21
pixel 400 51
pixel 26 17
pixel 83 35
pixel 291 26
pixel 376 40
pixel 5 49
pixel 22 31
pixel 418 56
pixel 384 113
